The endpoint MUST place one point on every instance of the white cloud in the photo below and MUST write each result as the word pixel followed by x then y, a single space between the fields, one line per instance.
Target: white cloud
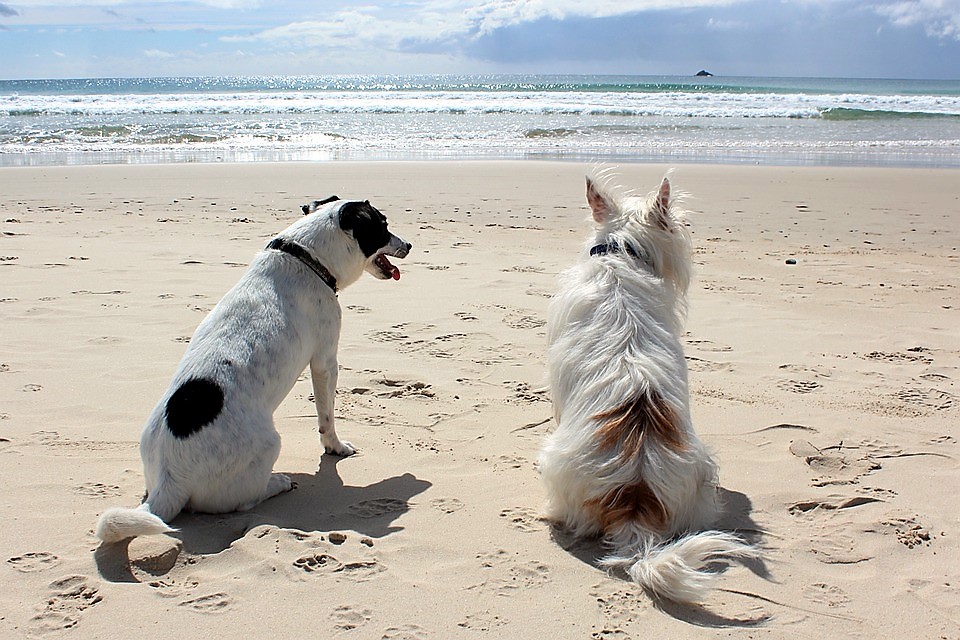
pixel 725 25
pixel 157 54
pixel 939 18
pixel 444 20
pixel 220 4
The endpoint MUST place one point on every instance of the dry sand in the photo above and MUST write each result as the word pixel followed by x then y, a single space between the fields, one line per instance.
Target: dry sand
pixel 828 389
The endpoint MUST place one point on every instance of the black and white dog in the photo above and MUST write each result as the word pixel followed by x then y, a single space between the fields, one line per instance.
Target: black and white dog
pixel 210 444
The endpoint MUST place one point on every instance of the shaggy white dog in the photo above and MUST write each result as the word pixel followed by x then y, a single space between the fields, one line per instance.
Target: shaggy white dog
pixel 624 462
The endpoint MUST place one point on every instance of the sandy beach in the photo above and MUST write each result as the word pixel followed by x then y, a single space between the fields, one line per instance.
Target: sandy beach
pixel 824 352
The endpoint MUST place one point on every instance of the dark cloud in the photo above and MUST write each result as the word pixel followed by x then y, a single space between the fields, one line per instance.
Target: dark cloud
pixel 7 11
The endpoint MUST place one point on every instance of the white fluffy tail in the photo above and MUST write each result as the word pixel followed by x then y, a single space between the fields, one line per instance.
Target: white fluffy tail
pixel 677 570
pixel 150 518
pixel 120 523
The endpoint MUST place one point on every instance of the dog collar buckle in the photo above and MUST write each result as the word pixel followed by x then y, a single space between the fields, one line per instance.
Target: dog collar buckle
pixel 301 254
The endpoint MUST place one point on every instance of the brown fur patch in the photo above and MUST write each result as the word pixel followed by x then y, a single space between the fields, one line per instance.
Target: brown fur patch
pixel 627 429
pixel 628 426
pixel 629 503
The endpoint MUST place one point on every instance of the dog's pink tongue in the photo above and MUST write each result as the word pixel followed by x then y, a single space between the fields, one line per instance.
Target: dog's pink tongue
pixel 395 273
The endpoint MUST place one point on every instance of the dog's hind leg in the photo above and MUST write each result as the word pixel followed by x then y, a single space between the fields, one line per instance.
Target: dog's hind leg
pixel 323 373
pixel 247 481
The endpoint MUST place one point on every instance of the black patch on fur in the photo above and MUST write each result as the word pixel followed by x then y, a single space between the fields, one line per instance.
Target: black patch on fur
pixel 367 224
pixel 194 405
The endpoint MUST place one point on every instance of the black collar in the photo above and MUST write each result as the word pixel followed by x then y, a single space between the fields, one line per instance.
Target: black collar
pixel 612 247
pixel 615 247
pixel 301 254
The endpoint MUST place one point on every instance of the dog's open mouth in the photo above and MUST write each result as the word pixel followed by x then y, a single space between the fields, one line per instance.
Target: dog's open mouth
pixel 385 266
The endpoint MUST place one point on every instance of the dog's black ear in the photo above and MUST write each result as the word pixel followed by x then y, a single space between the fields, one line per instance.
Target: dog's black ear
pixel 316 204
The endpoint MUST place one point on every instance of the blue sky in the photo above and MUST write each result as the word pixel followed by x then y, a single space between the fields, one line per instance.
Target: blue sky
pixel 832 38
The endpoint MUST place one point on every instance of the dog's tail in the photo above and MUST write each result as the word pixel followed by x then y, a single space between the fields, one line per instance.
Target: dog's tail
pixel 150 518
pixel 678 570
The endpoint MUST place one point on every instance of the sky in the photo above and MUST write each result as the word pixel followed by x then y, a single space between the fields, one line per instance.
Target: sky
pixel 788 38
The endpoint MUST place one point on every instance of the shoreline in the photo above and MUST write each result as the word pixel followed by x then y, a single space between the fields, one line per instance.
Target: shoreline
pixel 829 390
pixel 811 158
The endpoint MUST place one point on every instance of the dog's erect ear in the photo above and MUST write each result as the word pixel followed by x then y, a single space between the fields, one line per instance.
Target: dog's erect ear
pixel 661 206
pixel 599 203
pixel 316 204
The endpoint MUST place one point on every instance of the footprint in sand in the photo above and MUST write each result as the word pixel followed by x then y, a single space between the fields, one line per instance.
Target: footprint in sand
pixel 916 355
pixel 524 394
pixel 520 320
pixel 387 335
pixel 833 547
pixel 70 597
pixel 405 389
pixel 524 519
pixel 699 365
pixel 170 588
pixel 34 562
pixel 378 507
pixel 619 605
pixel 834 503
pixel 927 398
pixel 504 462
pixel 799 386
pixel 528 575
pixel 482 621
pixel 405 632
pixel 98 490
pixel 447 505
pixel 826 594
pixel 908 530
pixel 356 308
pixel 348 617
pixel 213 603
pixel 610 634
pixel 509 574
pixel 708 345
pixel 323 563
pixel 318 563
pixel 835 465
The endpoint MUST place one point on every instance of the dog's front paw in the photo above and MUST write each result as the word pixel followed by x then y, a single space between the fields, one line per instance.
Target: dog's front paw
pixel 339 448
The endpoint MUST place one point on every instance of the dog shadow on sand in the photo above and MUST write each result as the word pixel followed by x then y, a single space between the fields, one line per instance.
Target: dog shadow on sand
pixel 320 503
pixel 737 519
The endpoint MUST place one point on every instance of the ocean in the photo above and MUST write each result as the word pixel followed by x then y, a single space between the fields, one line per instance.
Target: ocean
pixel 782 121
